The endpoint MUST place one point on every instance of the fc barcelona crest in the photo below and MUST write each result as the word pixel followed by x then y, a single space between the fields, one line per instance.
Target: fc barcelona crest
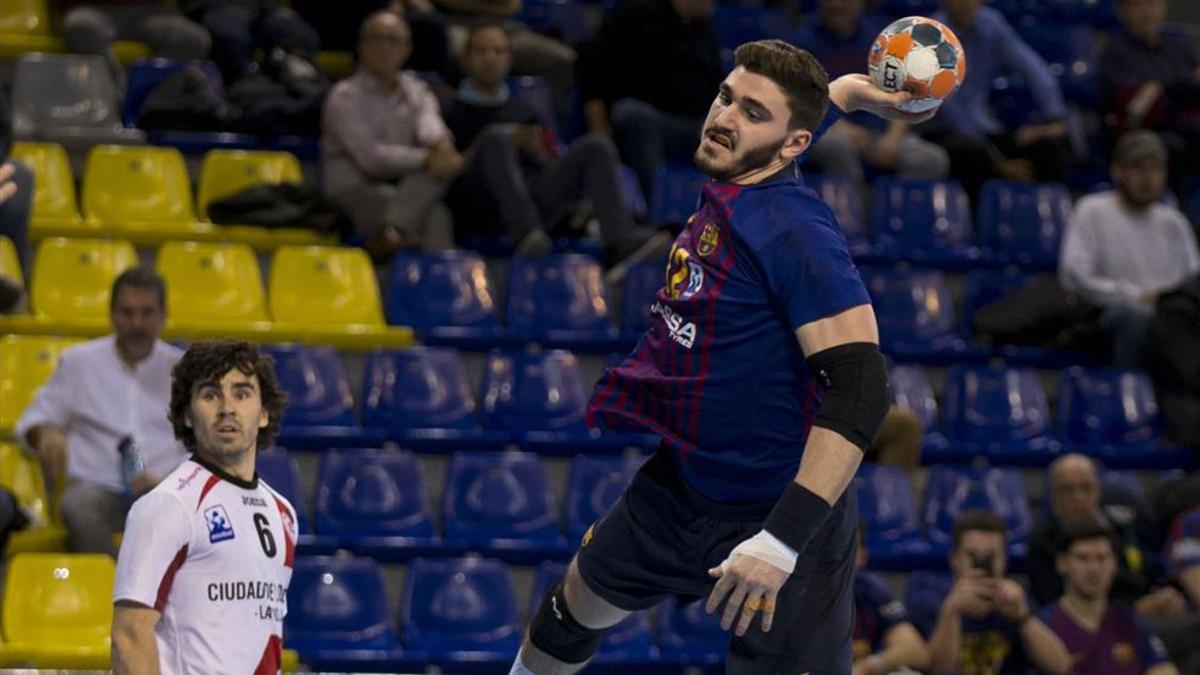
pixel 708 239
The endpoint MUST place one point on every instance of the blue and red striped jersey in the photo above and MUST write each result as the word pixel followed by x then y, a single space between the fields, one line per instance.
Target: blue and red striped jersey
pixel 1122 645
pixel 720 375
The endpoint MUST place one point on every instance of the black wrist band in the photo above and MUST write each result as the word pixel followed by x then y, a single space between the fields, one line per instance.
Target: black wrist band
pixel 797 517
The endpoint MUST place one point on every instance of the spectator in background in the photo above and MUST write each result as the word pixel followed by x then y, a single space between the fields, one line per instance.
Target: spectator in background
pixel 387 156
pixel 839 35
pixel 103 392
pixel 16 202
pixel 514 167
pixel 1183 552
pixel 985 624
pixel 1124 247
pixel 884 639
pixel 1103 638
pixel 979 145
pixel 238 27
pixel 1150 78
pixel 648 77
pixel 93 27
pixel 338 24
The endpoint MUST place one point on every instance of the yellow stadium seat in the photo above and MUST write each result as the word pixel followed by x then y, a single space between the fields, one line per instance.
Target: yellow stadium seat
pixel 141 193
pixel 25 27
pixel 226 172
pixel 58 611
pixel 22 474
pixel 26 362
pixel 129 52
pixel 10 265
pixel 72 278
pixel 213 286
pixel 55 212
pixel 329 292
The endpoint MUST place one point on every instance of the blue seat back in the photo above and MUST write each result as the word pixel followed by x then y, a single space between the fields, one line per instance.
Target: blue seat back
pixel 951 491
pixel 912 306
pixel 995 405
pixel 675 193
pixel 372 492
pixel 533 391
pixel 279 470
pixel 1023 218
pixel 338 603
pixel 985 287
pixel 557 292
pixel 498 496
pixel 916 215
pixel 594 485
pixel 1107 407
pixel 641 286
pixel 144 76
pixel 912 390
pixel 459 604
pixel 886 502
pixel 418 387
pixel 438 290
pixel 316 383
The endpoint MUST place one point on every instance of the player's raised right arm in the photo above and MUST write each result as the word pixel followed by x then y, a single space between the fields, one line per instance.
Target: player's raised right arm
pixel 134 651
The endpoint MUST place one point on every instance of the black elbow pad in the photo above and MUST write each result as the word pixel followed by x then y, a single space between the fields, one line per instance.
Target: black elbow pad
pixel 857 395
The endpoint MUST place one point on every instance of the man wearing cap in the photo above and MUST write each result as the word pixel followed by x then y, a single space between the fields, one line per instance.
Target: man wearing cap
pixel 1124 247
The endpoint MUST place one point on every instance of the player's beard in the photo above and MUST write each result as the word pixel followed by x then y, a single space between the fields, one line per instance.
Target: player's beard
pixel 749 160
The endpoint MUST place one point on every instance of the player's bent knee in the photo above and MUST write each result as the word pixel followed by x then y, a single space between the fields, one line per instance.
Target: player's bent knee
pixel 555 631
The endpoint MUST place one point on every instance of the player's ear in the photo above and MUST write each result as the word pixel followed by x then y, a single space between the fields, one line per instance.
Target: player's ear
pixel 187 419
pixel 264 418
pixel 796 142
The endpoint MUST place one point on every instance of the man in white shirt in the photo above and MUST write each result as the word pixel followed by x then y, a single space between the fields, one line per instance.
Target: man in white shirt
pixel 202 576
pixel 1124 247
pixel 104 392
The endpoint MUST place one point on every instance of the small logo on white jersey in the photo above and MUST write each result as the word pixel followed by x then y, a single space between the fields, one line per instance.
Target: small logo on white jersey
pixel 184 482
pixel 219 527
pixel 683 332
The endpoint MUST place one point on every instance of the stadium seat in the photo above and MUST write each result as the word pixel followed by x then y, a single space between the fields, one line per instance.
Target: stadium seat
pixel 1113 415
pixel 915 311
pixel 950 491
pixel 21 473
pixel 458 611
pixel 10 264
pixel 330 294
pixel 736 24
pixel 373 501
pixel 422 398
pixel 925 222
pixel 1000 413
pixel 338 616
pixel 560 301
pixel 844 198
pixel 641 285
pixel 446 297
pixel 69 98
pixel 689 635
pixel 594 485
pixel 72 278
pixel 142 193
pixel 146 75
pixel 628 643
pixel 1023 223
pixel 279 470
pixel 501 504
pixel 28 361
pixel 55 210
pixel 1071 50
pixel 58 611
pixel 25 27
pixel 213 287
pixel 889 514
pixel 320 410
pixel 674 194
pixel 912 390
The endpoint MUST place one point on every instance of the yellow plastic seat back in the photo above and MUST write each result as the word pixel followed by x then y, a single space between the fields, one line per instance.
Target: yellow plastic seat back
pixel 10 265
pixel 210 283
pixel 320 285
pixel 54 187
pixel 138 187
pixel 58 599
pixel 227 172
pixel 22 474
pixel 26 362
pixel 24 17
pixel 72 278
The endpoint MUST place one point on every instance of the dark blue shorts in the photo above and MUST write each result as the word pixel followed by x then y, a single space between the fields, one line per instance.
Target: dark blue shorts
pixel 661 538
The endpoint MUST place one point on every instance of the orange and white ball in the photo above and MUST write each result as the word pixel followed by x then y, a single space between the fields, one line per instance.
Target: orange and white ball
pixel 918 55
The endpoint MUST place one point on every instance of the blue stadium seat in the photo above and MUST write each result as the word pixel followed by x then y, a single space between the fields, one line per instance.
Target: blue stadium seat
pixel 560 301
pixel 631 192
pixel 950 491
pixel 1113 415
pixel 916 315
pixel 338 616
pixel 912 390
pixel 593 486
pixel 145 76
pixel 373 501
pixel 675 193
pixel 736 24
pixel 628 643
pixel 1071 50
pixel 923 596
pixel 422 397
pixel 1023 223
pixel 502 504
pixel 846 201
pixel 278 469
pixel 460 611
pixel 446 297
pixel 889 514
pixel 689 635
pixel 641 284
pixel 320 411
pixel 925 222
pixel 1000 413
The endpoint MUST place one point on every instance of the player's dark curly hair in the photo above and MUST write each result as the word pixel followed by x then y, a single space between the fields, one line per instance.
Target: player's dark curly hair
pixel 796 71
pixel 207 362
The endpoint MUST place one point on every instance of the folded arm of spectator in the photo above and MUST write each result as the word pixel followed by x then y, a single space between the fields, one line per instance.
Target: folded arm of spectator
pixel 1079 267
pixel 383 161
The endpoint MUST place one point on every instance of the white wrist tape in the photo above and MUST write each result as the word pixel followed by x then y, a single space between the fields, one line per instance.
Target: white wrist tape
pixel 767 548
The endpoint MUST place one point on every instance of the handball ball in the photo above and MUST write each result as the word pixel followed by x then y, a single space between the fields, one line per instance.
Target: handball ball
pixel 918 55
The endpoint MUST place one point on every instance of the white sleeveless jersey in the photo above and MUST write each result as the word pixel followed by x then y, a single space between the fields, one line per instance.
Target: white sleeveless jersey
pixel 214 555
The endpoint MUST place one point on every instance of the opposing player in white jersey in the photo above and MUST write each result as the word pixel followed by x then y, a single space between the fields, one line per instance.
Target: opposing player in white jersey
pixel 204 567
